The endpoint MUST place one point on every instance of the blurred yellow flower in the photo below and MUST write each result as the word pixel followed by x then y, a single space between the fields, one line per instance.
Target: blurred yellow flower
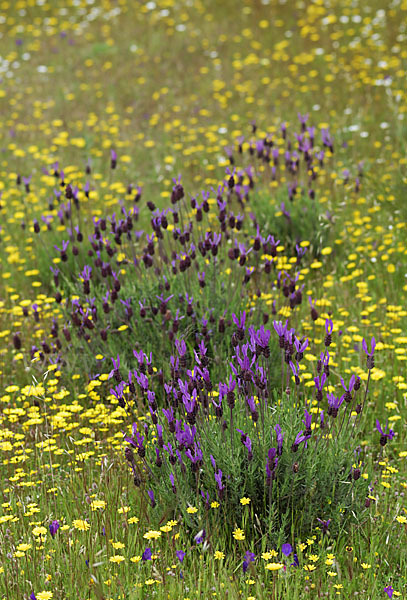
pixel 97 504
pixel 152 535
pixel 81 525
pixel 123 510
pixel 133 520
pixel 238 534
pixel 118 545
pixel 117 558
pixel 274 566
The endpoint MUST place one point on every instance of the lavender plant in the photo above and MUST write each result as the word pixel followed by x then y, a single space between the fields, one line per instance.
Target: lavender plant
pixel 296 458
pixel 189 266
pixel 180 308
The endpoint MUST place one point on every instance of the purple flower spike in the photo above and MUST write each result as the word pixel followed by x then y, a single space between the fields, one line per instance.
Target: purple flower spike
pixel 384 434
pixel 33 596
pixel 146 554
pixel 152 499
pixel 303 119
pixel 172 479
pixel 180 555
pixel 240 322
pixel 249 557
pixel 200 536
pixel 271 465
pixel 296 372
pixel 320 381
pixel 181 347
pixel 327 139
pixel 281 330
pixel 280 438
pixel 286 549
pixel 349 389
pixel 329 326
pixel 307 421
pixel 296 562
pixel 116 366
pixel 53 528
pixel 300 346
pixel 369 355
pixel 300 438
pixel 372 346
pixel 113 159
pixel 319 384
pixel 334 404
pixel 351 384
pixel 218 479
pixel 389 591
pixel 325 525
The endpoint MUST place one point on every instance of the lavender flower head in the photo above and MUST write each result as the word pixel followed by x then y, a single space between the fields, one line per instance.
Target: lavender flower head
pixel 152 499
pixel 180 555
pixel 146 554
pixel 249 557
pixel 53 528
pixel 329 326
pixel 369 355
pixel 280 438
pixel 325 525
pixel 385 435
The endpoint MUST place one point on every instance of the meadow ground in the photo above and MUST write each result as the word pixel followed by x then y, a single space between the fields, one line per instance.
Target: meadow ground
pixel 202 299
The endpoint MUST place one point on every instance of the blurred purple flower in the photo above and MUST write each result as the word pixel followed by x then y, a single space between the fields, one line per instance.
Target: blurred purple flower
pixel 296 562
pixel 249 557
pixel 325 525
pixel 372 346
pixel 146 554
pixel 152 499
pixel 286 549
pixel 200 536
pixel 384 434
pixel 53 528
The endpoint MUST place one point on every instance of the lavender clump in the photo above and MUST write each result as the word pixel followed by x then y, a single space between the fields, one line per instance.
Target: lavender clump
pixel 210 433
pixel 192 431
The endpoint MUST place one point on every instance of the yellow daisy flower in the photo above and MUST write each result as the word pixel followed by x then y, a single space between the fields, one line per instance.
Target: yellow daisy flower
pixel 152 535
pixel 81 525
pixel 117 558
pixel 274 566
pixel 238 534
pixel 44 596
